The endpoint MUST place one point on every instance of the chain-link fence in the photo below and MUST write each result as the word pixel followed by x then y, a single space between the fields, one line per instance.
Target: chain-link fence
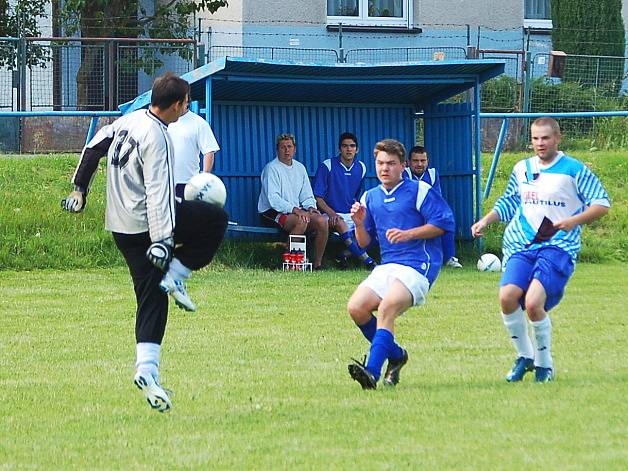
pixel 85 74
pixel 8 74
pixel 324 56
pixel 405 54
pixel 98 74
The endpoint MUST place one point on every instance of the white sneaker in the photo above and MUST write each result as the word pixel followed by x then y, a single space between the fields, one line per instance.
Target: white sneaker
pixel 453 263
pixel 156 396
pixel 176 289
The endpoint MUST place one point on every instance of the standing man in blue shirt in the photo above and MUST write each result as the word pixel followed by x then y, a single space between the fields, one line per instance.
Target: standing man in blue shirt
pixel 406 217
pixel 548 198
pixel 336 187
pixel 418 169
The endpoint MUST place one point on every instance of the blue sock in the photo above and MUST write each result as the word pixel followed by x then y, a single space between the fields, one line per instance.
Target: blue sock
pixel 368 329
pixel 355 249
pixel 383 347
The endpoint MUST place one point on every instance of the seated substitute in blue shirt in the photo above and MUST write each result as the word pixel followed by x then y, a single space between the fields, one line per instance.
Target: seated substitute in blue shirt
pixel 418 169
pixel 406 217
pixel 337 186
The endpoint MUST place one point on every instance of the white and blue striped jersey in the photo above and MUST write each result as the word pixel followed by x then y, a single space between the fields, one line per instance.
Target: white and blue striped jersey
pixel 538 196
pixel 408 205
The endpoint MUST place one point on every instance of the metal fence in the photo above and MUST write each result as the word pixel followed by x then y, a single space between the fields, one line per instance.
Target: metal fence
pixel 99 74
pixel 405 54
pixel 324 56
pixel 85 73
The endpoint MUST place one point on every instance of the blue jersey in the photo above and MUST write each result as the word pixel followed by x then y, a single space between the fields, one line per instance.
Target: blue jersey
pixel 338 185
pixel 430 176
pixel 538 196
pixel 410 204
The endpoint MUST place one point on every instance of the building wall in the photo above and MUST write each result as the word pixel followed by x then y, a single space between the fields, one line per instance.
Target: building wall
pixel 509 14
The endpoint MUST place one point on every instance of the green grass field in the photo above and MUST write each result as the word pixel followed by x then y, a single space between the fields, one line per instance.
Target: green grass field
pixel 260 371
pixel 261 382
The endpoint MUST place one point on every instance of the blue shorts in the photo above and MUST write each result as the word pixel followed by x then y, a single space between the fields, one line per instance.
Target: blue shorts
pixel 550 265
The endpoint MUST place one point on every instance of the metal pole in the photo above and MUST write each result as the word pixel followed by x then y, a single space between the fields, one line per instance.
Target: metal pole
pixel 341 51
pixel 208 100
pixel 498 150
pixel 111 75
pixel 478 159
pixel 93 124
pixel 468 35
pixel 21 58
pixel 209 45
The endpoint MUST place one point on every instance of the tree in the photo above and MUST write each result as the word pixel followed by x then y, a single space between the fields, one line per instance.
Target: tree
pixel 582 27
pixel 20 21
pixel 127 19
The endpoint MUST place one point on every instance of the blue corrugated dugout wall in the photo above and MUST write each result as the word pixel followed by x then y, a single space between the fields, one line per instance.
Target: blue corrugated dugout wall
pixel 246 133
pixel 449 141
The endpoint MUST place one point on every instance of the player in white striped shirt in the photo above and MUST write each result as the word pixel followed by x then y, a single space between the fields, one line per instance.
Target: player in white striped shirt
pixel 548 197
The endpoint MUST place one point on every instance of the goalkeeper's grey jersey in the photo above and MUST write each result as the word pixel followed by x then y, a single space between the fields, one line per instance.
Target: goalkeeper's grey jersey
pixel 140 184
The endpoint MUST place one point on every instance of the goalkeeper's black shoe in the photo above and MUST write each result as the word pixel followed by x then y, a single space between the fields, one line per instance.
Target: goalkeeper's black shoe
pixel 391 377
pixel 363 376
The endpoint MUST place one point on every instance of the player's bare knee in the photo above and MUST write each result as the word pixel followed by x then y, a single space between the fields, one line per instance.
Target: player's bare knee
pixel 358 312
pixel 509 299
pixel 535 310
pixel 387 311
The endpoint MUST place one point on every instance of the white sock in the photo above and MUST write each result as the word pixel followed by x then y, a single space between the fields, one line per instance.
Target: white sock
pixel 517 326
pixel 543 335
pixel 178 271
pixel 148 358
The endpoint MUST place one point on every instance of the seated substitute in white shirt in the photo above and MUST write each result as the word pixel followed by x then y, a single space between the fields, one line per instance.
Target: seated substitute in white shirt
pixel 191 136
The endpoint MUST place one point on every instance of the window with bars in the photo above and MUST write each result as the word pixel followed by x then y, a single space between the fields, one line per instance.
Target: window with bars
pixel 369 12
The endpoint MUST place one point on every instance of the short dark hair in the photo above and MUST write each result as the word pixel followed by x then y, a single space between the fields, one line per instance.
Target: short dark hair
pixel 547 121
pixel 347 135
pixel 167 90
pixel 391 146
pixel 418 150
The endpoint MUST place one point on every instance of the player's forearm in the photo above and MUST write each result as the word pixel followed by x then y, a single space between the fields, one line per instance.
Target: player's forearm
pixel 86 169
pixel 427 231
pixel 362 236
pixel 323 206
pixel 591 214
pixel 490 218
pixel 208 162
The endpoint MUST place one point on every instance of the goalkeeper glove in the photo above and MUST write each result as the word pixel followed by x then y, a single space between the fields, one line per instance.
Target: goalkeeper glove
pixel 160 253
pixel 75 202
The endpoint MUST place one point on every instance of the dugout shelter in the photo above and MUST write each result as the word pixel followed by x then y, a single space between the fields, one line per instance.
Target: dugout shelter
pixel 249 102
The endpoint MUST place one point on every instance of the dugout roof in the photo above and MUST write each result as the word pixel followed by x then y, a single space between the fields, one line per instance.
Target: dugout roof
pixel 246 80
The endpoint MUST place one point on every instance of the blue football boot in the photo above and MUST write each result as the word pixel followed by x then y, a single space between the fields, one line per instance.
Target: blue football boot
pixel 519 369
pixel 543 375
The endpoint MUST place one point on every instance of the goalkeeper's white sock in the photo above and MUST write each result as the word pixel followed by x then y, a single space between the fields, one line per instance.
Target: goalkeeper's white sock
pixel 517 326
pixel 543 334
pixel 148 358
pixel 178 271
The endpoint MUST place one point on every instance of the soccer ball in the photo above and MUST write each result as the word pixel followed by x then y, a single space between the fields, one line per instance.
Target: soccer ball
pixel 489 262
pixel 206 187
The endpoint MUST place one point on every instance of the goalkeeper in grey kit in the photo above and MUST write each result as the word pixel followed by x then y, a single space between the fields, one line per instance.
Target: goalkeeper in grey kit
pixel 154 233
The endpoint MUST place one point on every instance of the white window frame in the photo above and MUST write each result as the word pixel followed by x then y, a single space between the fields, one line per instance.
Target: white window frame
pixel 364 20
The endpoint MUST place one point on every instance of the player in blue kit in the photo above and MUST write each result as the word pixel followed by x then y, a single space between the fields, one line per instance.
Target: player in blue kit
pixel 418 169
pixel 336 187
pixel 548 197
pixel 405 217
